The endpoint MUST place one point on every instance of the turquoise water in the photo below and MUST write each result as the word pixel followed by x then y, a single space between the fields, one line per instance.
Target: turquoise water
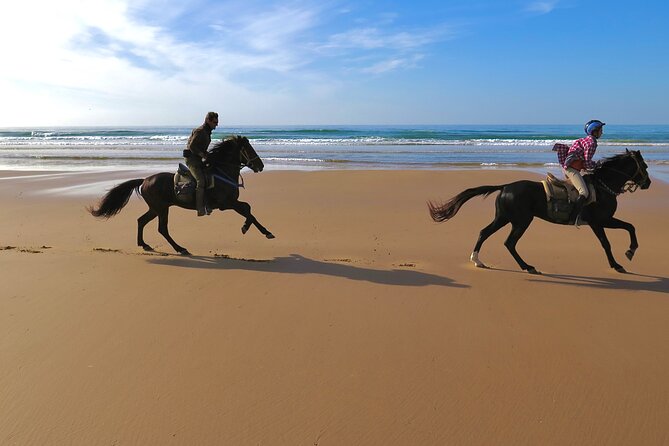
pixel 324 147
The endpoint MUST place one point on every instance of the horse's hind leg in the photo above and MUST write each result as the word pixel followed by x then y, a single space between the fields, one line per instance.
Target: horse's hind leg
pixel 486 232
pixel 244 209
pixel 141 222
pixel 162 228
pixel 517 231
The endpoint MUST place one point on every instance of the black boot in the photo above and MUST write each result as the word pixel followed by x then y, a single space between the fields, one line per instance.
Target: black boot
pixel 578 207
pixel 207 204
pixel 199 202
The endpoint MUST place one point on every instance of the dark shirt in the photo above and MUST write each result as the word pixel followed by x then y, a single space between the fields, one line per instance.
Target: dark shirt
pixel 199 141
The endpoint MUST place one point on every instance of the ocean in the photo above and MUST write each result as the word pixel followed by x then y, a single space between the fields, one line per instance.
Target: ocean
pixel 325 147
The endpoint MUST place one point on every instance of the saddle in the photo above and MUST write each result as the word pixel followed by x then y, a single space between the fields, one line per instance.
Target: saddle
pixel 561 196
pixel 184 183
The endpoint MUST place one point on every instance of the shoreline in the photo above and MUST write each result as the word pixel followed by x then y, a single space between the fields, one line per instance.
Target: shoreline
pixel 90 184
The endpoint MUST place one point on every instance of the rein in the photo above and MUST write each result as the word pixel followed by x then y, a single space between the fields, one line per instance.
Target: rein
pixel 226 178
pixel 608 189
pixel 630 185
pixel 244 161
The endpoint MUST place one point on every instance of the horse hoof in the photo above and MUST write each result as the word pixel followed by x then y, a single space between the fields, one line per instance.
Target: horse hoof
pixel 184 252
pixel 147 248
pixel 244 229
pixel 629 254
pixel 533 271
pixel 474 258
pixel 620 269
pixel 270 236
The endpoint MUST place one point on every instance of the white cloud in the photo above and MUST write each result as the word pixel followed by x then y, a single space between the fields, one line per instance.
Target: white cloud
pixel 77 62
pixel 393 64
pixel 541 7
pixel 373 38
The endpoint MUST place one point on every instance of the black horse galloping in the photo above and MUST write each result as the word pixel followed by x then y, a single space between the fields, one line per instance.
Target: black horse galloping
pixel 225 160
pixel 521 201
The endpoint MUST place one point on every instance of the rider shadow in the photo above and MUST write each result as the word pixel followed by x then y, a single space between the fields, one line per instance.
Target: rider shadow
pixel 658 285
pixel 297 264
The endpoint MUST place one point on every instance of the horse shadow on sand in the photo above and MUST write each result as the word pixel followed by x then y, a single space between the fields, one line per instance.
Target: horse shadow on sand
pixel 298 264
pixel 655 284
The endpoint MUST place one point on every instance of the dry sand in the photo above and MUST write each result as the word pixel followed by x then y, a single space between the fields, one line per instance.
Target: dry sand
pixel 362 323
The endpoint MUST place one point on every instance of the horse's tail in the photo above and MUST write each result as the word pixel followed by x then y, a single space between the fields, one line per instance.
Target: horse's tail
pixel 448 210
pixel 116 199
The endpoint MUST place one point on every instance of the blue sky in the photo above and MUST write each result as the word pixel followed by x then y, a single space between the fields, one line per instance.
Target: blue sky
pixel 167 62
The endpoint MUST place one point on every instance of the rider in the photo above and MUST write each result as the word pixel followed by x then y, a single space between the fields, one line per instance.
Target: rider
pixel 196 154
pixel 578 157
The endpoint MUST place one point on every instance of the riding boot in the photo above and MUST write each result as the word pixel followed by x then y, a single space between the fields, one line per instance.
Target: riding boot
pixel 207 205
pixel 578 208
pixel 199 202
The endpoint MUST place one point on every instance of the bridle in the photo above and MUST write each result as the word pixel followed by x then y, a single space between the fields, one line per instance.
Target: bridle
pixel 245 158
pixel 631 184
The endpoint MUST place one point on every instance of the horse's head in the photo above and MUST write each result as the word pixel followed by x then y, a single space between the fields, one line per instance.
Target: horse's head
pixel 640 176
pixel 628 167
pixel 235 150
pixel 248 155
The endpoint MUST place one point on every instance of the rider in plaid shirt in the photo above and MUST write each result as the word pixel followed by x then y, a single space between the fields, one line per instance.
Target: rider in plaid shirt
pixel 581 150
pixel 577 157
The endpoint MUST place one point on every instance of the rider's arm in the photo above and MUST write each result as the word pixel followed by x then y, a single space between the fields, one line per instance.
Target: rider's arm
pixel 589 147
pixel 198 144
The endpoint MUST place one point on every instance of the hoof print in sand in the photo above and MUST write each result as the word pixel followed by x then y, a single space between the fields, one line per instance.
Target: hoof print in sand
pixel 227 257
pixel 26 250
pixel 106 250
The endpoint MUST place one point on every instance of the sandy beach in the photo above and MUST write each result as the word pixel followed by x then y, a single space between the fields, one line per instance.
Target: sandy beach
pixel 362 323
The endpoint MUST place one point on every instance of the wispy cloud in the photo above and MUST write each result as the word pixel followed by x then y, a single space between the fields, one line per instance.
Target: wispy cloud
pixel 393 64
pixel 391 48
pixel 111 53
pixel 373 38
pixel 541 7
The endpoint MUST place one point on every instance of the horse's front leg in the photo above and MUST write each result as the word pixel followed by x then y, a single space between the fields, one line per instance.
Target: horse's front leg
pixel 244 209
pixel 615 223
pixel 601 235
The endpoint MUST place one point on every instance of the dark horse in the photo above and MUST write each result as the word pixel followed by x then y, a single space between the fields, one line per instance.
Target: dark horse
pixel 521 201
pixel 225 160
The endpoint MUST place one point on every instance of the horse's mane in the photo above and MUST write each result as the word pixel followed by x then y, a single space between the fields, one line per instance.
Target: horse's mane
pixel 226 144
pixel 613 159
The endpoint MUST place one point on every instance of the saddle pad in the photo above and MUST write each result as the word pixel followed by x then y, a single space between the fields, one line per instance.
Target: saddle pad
pixel 183 177
pixel 557 189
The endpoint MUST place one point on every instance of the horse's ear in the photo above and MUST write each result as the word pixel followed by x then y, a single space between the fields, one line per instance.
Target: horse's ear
pixel 627 150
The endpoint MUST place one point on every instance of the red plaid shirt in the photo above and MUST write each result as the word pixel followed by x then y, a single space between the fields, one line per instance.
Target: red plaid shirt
pixel 582 149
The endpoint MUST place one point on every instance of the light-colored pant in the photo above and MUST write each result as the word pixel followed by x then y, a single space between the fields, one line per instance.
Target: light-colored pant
pixel 577 180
